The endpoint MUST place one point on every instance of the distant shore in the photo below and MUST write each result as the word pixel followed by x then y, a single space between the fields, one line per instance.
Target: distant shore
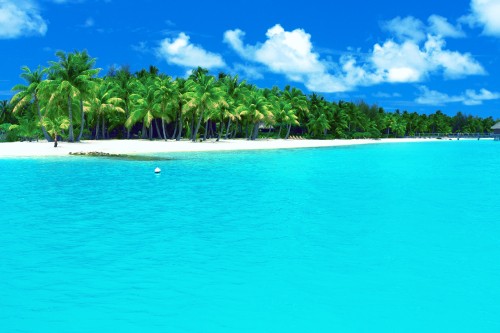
pixel 137 147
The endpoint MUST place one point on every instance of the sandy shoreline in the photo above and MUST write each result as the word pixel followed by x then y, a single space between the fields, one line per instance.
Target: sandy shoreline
pixel 137 147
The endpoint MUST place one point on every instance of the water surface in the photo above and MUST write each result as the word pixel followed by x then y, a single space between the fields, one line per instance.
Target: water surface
pixel 390 237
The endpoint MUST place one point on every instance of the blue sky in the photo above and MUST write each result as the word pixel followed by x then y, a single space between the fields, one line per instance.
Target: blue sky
pixel 416 56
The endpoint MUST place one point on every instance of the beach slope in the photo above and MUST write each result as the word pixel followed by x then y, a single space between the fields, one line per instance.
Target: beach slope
pixel 138 147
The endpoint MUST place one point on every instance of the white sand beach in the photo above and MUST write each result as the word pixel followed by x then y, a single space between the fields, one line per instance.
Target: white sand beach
pixel 137 147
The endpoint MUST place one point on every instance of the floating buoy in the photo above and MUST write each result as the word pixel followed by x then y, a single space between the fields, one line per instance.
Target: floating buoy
pixel 157 170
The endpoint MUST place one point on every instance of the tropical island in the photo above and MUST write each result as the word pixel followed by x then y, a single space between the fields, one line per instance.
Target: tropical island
pixel 67 100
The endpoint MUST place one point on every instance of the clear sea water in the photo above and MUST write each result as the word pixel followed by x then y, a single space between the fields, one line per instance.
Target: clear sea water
pixel 381 238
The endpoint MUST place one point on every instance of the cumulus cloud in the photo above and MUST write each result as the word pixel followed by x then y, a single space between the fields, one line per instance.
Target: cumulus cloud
pixel 409 62
pixel 180 51
pixel 290 53
pixel 469 97
pixel 403 62
pixel 405 28
pixel 440 26
pixel 411 28
pixel 485 13
pixel 20 18
pixel 412 58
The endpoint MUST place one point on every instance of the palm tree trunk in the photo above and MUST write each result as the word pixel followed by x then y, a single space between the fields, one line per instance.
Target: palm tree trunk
pixel 206 130
pixel 71 136
pixel 221 128
pixel 97 128
pixel 227 129
pixel 175 129
pixel 126 116
pixel 44 130
pixel 179 133
pixel 193 119
pixel 236 126
pixel 103 128
pixel 255 131
pixel 195 133
pixel 279 133
pixel 83 121
pixel 163 127
pixel 157 128
pixel 144 134
pixel 289 127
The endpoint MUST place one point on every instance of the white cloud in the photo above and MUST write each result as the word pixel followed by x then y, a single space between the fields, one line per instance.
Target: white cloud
pixel 485 13
pixel 408 62
pixel 411 28
pixel 413 57
pixel 399 62
pixel 20 18
pixel 440 26
pixel 248 71
pixel 235 39
pixel 180 51
pixel 453 63
pixel 283 52
pixel 405 28
pixel 474 98
pixel 289 53
pixel 419 51
pixel 469 97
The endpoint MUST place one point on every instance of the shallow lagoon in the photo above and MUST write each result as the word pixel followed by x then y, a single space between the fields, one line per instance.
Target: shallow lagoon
pixel 392 237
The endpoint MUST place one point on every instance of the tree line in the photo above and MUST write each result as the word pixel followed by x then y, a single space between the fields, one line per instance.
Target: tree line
pixel 67 99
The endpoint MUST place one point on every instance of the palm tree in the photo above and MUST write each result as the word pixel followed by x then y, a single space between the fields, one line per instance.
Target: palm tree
pixel 4 108
pixel 181 89
pixel 164 93
pixel 234 94
pixel 287 116
pixel 102 103
pixel 30 94
pixel 71 77
pixel 257 109
pixel 389 122
pixel 357 119
pixel 298 103
pixel 26 128
pixel 319 125
pixel 204 96
pixel 340 122
pixel 86 88
pixel 124 88
pixel 144 107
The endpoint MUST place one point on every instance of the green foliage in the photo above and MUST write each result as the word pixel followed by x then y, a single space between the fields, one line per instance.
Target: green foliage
pixel 26 130
pixel 67 94
pixel 5 134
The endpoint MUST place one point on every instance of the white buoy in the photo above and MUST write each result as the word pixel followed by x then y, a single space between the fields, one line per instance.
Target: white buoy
pixel 157 170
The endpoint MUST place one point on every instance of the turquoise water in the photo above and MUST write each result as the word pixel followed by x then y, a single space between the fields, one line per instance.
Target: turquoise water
pixel 384 238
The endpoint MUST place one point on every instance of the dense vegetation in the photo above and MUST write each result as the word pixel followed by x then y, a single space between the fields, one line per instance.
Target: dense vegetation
pixel 68 99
